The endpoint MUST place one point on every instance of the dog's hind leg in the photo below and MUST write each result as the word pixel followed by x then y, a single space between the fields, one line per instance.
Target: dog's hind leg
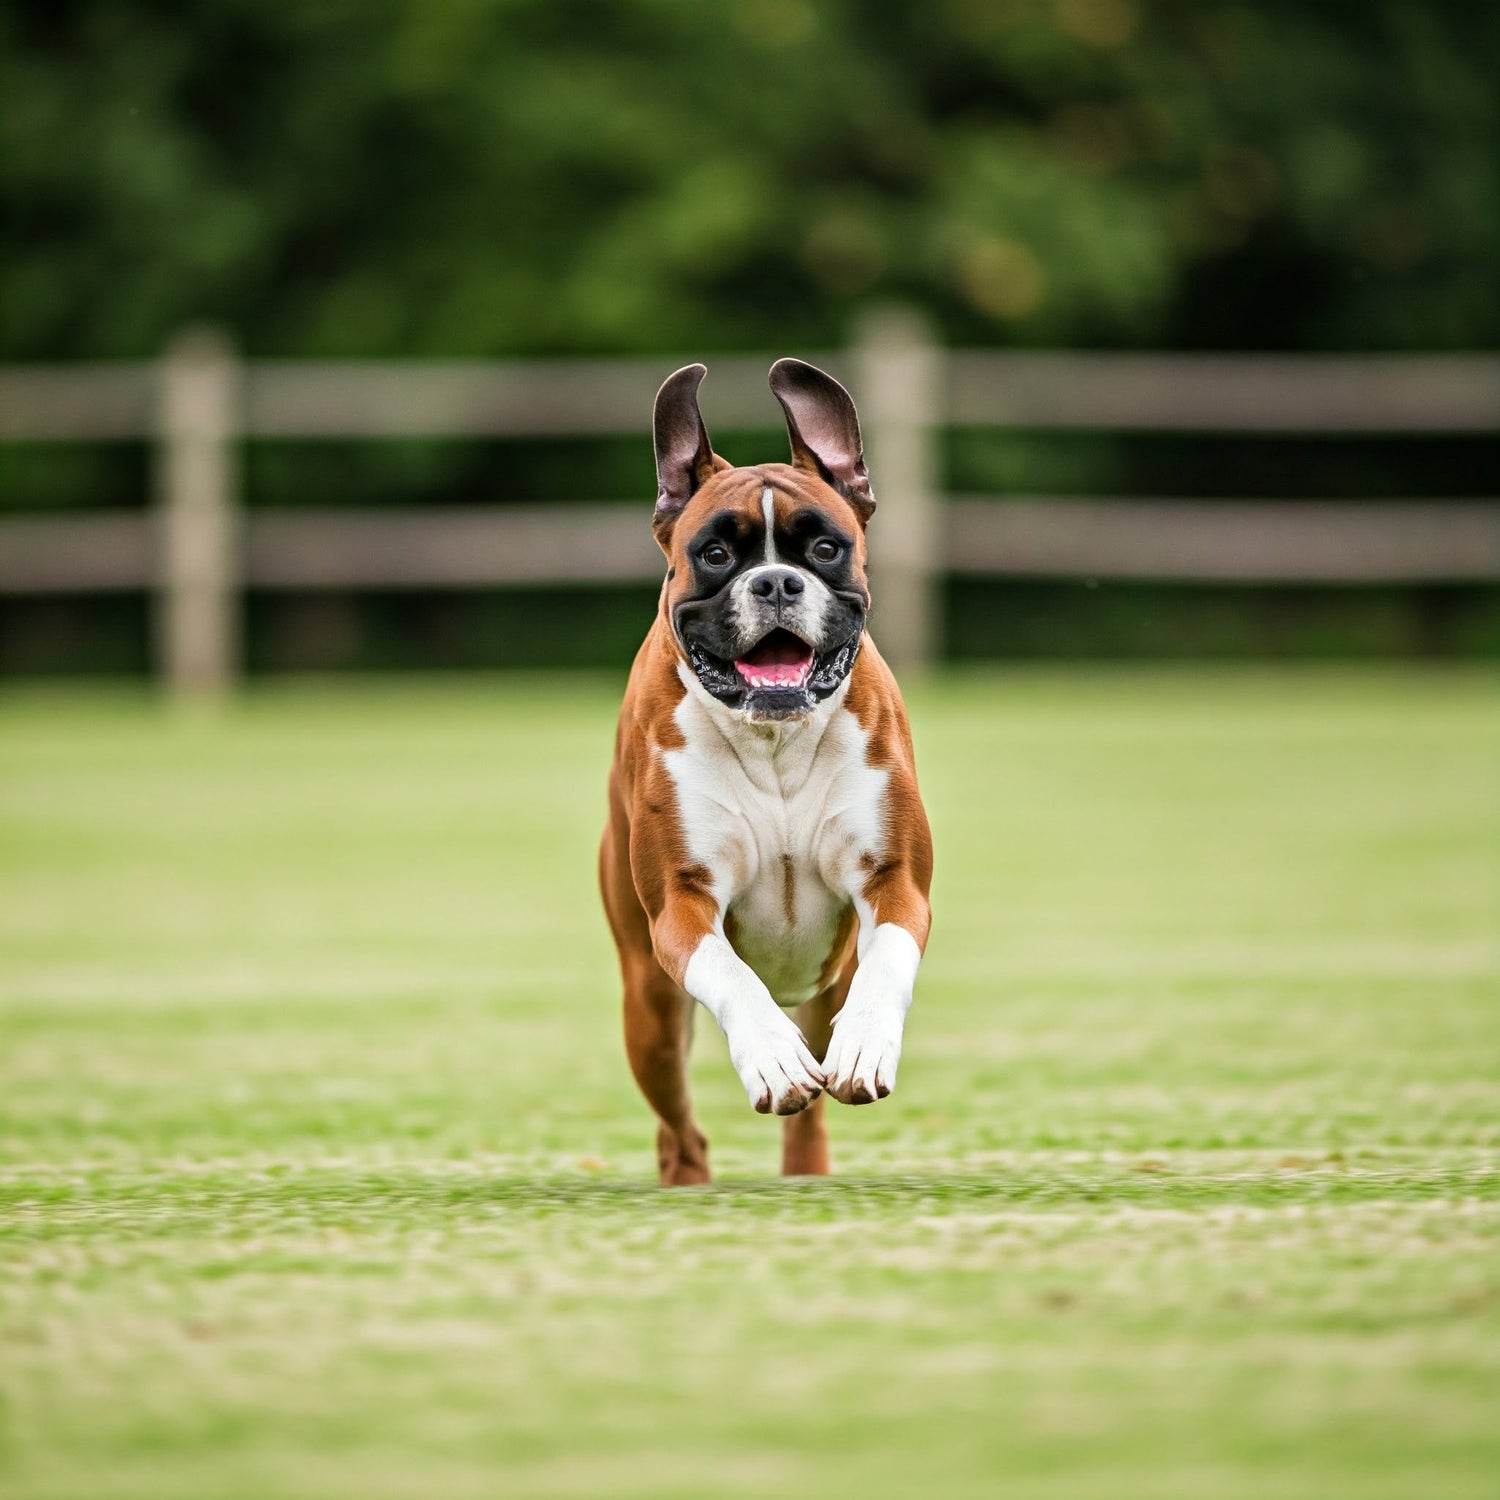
pixel 658 1015
pixel 804 1142
pixel 658 1031
pixel 804 1137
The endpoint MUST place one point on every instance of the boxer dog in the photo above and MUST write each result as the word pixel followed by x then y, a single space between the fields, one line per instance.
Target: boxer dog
pixel 767 854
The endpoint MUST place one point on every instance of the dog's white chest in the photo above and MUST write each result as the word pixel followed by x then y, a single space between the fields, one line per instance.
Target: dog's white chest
pixel 782 818
pixel 784 922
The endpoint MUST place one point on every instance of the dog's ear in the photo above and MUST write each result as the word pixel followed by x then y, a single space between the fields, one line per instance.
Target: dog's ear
pixel 684 456
pixel 824 429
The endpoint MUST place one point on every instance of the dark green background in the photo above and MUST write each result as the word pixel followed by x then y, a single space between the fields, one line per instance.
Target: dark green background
pixel 536 177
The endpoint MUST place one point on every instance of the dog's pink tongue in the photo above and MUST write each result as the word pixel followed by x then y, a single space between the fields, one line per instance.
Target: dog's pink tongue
pixel 778 662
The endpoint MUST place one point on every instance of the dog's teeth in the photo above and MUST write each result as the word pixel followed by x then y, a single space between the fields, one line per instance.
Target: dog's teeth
pixel 776 677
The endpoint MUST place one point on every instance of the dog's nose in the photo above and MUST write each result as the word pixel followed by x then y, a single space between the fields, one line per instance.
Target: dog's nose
pixel 773 583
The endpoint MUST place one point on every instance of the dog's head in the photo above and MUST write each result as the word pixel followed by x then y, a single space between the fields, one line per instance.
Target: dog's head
pixel 766 594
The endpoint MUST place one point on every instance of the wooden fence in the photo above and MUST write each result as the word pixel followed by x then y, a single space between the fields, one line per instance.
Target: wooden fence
pixel 197 549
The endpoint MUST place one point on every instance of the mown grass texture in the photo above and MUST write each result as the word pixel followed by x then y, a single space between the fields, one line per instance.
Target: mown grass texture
pixel 321 1170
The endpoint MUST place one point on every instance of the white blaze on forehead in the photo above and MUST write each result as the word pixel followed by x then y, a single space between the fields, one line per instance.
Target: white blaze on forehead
pixel 768 510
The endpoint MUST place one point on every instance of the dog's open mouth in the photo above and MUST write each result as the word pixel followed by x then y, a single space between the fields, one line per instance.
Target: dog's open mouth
pixel 779 677
pixel 778 660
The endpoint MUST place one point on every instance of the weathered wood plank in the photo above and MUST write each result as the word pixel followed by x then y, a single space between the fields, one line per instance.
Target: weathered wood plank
pixel 450 548
pixel 1372 394
pixel 1221 541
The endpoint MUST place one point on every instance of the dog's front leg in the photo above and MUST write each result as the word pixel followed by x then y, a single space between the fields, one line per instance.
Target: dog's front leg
pixel 860 1064
pixel 780 1074
pixel 778 1070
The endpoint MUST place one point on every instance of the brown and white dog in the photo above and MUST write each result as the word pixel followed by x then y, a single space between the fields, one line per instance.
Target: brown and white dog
pixel 767 853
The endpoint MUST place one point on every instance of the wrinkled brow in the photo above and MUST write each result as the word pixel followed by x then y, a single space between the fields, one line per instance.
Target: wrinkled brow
pixel 727 526
pixel 808 523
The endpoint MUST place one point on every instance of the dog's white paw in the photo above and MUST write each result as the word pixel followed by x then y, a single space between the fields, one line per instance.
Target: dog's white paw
pixel 863 1056
pixel 780 1074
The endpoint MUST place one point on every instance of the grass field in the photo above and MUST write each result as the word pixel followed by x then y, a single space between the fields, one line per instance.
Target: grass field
pixel 321 1171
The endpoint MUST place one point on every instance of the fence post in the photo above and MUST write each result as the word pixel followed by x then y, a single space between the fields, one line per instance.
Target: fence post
pixel 898 368
pixel 198 600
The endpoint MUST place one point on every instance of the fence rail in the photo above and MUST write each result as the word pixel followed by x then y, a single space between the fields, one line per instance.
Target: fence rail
pixel 1203 541
pixel 198 551
pixel 474 398
pixel 586 542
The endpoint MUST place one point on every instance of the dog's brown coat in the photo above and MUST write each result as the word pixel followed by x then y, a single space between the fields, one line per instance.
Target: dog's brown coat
pixel 661 904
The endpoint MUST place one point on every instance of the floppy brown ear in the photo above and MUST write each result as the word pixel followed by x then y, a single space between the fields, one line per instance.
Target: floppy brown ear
pixel 684 456
pixel 824 429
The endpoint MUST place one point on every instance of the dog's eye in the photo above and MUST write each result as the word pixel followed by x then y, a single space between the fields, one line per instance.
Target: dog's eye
pixel 825 549
pixel 717 555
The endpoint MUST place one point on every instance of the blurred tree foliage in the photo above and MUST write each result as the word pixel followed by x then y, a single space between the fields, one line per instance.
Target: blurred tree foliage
pixel 539 176
pixel 493 177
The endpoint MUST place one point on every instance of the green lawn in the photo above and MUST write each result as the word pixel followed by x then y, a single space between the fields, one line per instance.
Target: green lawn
pixel 321 1170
